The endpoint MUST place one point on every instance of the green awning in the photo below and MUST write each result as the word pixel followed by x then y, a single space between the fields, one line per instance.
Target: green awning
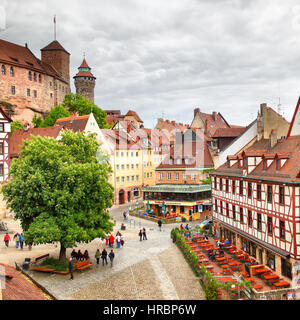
pixel 178 188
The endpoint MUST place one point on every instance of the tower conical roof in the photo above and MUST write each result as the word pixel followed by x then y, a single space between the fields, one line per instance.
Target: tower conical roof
pixel 84 70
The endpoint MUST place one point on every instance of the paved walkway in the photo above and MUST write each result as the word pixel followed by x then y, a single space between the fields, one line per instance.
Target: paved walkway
pixel 149 269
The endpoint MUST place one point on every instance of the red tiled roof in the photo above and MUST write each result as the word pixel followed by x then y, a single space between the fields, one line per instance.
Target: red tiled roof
pixel 84 74
pixel 173 125
pixel 214 122
pixel 84 64
pixel 135 115
pixel 19 135
pixel 74 122
pixel 284 149
pixel 54 45
pixel 20 56
pixel 228 132
pixel 19 287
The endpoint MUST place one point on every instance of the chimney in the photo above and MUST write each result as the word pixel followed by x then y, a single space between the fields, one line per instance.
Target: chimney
pixel 26 45
pixel 273 138
pixel 206 127
pixel 214 114
pixel 196 110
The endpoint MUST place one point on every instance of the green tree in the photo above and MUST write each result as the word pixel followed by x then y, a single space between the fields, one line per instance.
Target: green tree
pixel 59 191
pixel 55 113
pixel 37 121
pixel 16 125
pixel 77 103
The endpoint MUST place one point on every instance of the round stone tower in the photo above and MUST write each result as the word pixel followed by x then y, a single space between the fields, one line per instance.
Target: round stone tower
pixel 85 81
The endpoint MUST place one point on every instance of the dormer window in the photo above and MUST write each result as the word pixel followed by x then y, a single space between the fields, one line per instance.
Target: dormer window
pixel 265 164
pixel 277 164
pixel 245 163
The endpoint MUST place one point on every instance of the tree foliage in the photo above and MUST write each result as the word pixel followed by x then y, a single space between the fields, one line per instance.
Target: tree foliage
pixel 77 103
pixel 55 113
pixel 59 191
pixel 16 125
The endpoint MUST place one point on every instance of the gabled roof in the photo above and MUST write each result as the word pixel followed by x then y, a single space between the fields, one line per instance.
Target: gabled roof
pixel 74 122
pixel 135 115
pixel 19 135
pixel 214 121
pixel 286 149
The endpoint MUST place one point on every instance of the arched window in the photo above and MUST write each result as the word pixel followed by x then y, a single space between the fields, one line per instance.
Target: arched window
pixel 11 71
pixel 34 77
pixel 29 75
pixel 3 71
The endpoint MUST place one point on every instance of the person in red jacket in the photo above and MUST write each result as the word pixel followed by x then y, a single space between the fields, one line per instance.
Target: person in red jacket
pixel 6 240
pixel 111 241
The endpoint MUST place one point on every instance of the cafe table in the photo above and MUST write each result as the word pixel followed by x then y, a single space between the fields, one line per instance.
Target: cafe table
pixel 270 276
pixel 262 271
pixel 221 258
pixel 228 280
pixel 283 284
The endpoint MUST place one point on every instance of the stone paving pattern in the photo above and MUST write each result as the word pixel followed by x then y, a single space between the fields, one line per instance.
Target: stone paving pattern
pixel 152 269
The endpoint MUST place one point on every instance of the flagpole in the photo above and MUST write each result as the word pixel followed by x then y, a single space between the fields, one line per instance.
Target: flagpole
pixel 54 20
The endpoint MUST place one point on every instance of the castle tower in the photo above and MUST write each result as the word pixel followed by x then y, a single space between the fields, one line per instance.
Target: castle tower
pixel 85 81
pixel 56 56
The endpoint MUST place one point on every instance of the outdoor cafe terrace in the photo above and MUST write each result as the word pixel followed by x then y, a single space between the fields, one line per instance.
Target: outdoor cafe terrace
pixel 232 261
pixel 177 192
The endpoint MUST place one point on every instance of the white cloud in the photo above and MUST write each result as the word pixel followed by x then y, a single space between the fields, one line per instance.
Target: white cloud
pixel 173 55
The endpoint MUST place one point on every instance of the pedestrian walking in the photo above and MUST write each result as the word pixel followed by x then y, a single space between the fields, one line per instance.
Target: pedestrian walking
pixel 118 240
pixel 71 268
pixel 111 257
pixel 144 234
pixel 104 256
pixel 111 241
pixel 122 241
pixel 21 240
pixel 107 240
pixel 97 255
pixel 16 238
pixel 141 234
pixel 124 215
pixel 30 245
pixel 6 240
pixel 159 222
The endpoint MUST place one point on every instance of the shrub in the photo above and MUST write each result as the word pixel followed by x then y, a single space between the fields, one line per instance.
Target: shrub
pixel 56 264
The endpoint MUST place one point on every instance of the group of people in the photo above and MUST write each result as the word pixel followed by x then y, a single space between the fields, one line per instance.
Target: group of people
pixel 19 240
pixel 79 255
pixel 142 234
pixel 103 255
pixel 110 239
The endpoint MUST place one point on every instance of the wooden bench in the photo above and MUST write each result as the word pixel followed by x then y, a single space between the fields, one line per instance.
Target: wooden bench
pixel 83 265
pixel 42 269
pixel 41 258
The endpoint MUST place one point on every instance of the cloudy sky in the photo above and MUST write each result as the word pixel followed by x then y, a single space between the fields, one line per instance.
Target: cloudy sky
pixel 166 57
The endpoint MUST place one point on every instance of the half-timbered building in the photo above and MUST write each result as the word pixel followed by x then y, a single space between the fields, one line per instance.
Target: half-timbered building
pixel 4 145
pixel 256 201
